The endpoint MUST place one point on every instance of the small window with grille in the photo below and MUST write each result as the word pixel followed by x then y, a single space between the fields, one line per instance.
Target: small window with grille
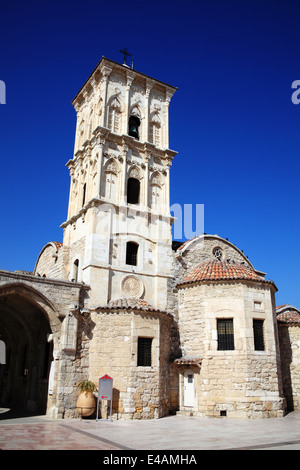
pixel 225 334
pixel 144 352
pixel 258 332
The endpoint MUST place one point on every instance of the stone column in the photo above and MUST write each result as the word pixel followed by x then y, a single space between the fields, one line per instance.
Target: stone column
pixel 100 145
pixel 106 72
pixel 149 85
pixel 124 174
pixel 146 197
pixel 77 109
pixel 129 79
pixel 166 208
pixel 165 137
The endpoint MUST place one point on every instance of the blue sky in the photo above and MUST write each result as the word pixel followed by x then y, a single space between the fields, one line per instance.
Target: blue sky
pixel 232 119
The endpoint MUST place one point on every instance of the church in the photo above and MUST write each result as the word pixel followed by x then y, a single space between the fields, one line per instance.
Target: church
pixel 189 328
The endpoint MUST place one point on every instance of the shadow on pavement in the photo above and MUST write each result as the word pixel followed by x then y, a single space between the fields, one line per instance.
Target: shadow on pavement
pixel 17 413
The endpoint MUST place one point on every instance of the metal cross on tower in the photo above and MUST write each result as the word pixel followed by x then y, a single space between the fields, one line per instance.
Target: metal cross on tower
pixel 126 54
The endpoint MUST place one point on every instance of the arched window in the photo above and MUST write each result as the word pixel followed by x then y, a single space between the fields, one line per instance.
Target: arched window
pixel 83 194
pixel 131 253
pixel 75 270
pixel 133 191
pixel 134 123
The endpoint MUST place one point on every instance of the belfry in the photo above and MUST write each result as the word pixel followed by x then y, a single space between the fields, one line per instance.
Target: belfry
pixel 180 327
pixel 118 226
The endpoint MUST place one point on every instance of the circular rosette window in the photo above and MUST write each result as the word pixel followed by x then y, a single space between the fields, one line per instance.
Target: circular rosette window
pixel 218 253
pixel 132 286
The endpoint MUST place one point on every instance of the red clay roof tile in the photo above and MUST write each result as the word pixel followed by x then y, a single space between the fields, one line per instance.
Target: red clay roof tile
pixel 220 270
pixel 288 314
pixel 289 317
pixel 131 303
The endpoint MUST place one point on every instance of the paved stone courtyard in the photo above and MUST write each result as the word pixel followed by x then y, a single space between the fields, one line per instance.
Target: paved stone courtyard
pixel 173 433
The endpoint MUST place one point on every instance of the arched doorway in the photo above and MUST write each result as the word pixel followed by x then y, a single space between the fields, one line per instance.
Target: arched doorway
pixel 26 332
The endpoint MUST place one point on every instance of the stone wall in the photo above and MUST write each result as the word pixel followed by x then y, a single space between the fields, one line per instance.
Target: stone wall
pixel 243 382
pixel 201 248
pixel 59 304
pixel 289 338
pixel 138 391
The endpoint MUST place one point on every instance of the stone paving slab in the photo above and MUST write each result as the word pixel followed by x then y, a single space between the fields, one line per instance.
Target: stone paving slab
pixel 173 433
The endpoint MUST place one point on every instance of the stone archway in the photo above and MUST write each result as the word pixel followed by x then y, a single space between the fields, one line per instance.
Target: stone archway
pixel 27 322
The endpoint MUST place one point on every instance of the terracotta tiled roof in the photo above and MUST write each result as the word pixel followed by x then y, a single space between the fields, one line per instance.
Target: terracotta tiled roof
pixel 288 314
pixel 58 245
pixel 187 360
pixel 289 317
pixel 129 304
pixel 219 270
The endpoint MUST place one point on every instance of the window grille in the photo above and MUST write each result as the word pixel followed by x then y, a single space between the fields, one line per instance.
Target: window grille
pixel 217 252
pixel 225 334
pixel 144 351
pixel 131 253
pixel 258 332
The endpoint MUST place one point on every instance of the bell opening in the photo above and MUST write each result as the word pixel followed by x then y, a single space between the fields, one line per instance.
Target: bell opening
pixel 134 123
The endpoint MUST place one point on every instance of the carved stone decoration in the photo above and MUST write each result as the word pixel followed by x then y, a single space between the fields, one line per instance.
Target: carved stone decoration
pixel 134 173
pixel 115 103
pixel 111 176
pixel 135 110
pixel 69 333
pixel 111 167
pixel 114 112
pixel 132 286
pixel 156 180
pixel 154 117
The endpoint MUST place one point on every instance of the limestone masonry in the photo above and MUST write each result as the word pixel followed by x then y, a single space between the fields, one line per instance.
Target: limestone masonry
pixel 188 328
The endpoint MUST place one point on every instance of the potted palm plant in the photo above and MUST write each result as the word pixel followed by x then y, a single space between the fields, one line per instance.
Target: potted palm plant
pixel 86 401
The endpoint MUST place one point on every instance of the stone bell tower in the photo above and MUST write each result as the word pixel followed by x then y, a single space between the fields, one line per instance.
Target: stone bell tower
pixel 118 229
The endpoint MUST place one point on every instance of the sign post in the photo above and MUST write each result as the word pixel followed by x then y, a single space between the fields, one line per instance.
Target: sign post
pixel 105 390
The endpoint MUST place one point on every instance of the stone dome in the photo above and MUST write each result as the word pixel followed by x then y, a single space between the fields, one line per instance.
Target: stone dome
pixel 214 270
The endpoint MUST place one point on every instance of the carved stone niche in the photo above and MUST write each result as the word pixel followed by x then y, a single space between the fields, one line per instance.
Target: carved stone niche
pixel 134 172
pixel 69 333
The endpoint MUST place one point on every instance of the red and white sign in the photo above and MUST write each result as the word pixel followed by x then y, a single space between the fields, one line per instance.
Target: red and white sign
pixel 105 388
pixel 105 391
